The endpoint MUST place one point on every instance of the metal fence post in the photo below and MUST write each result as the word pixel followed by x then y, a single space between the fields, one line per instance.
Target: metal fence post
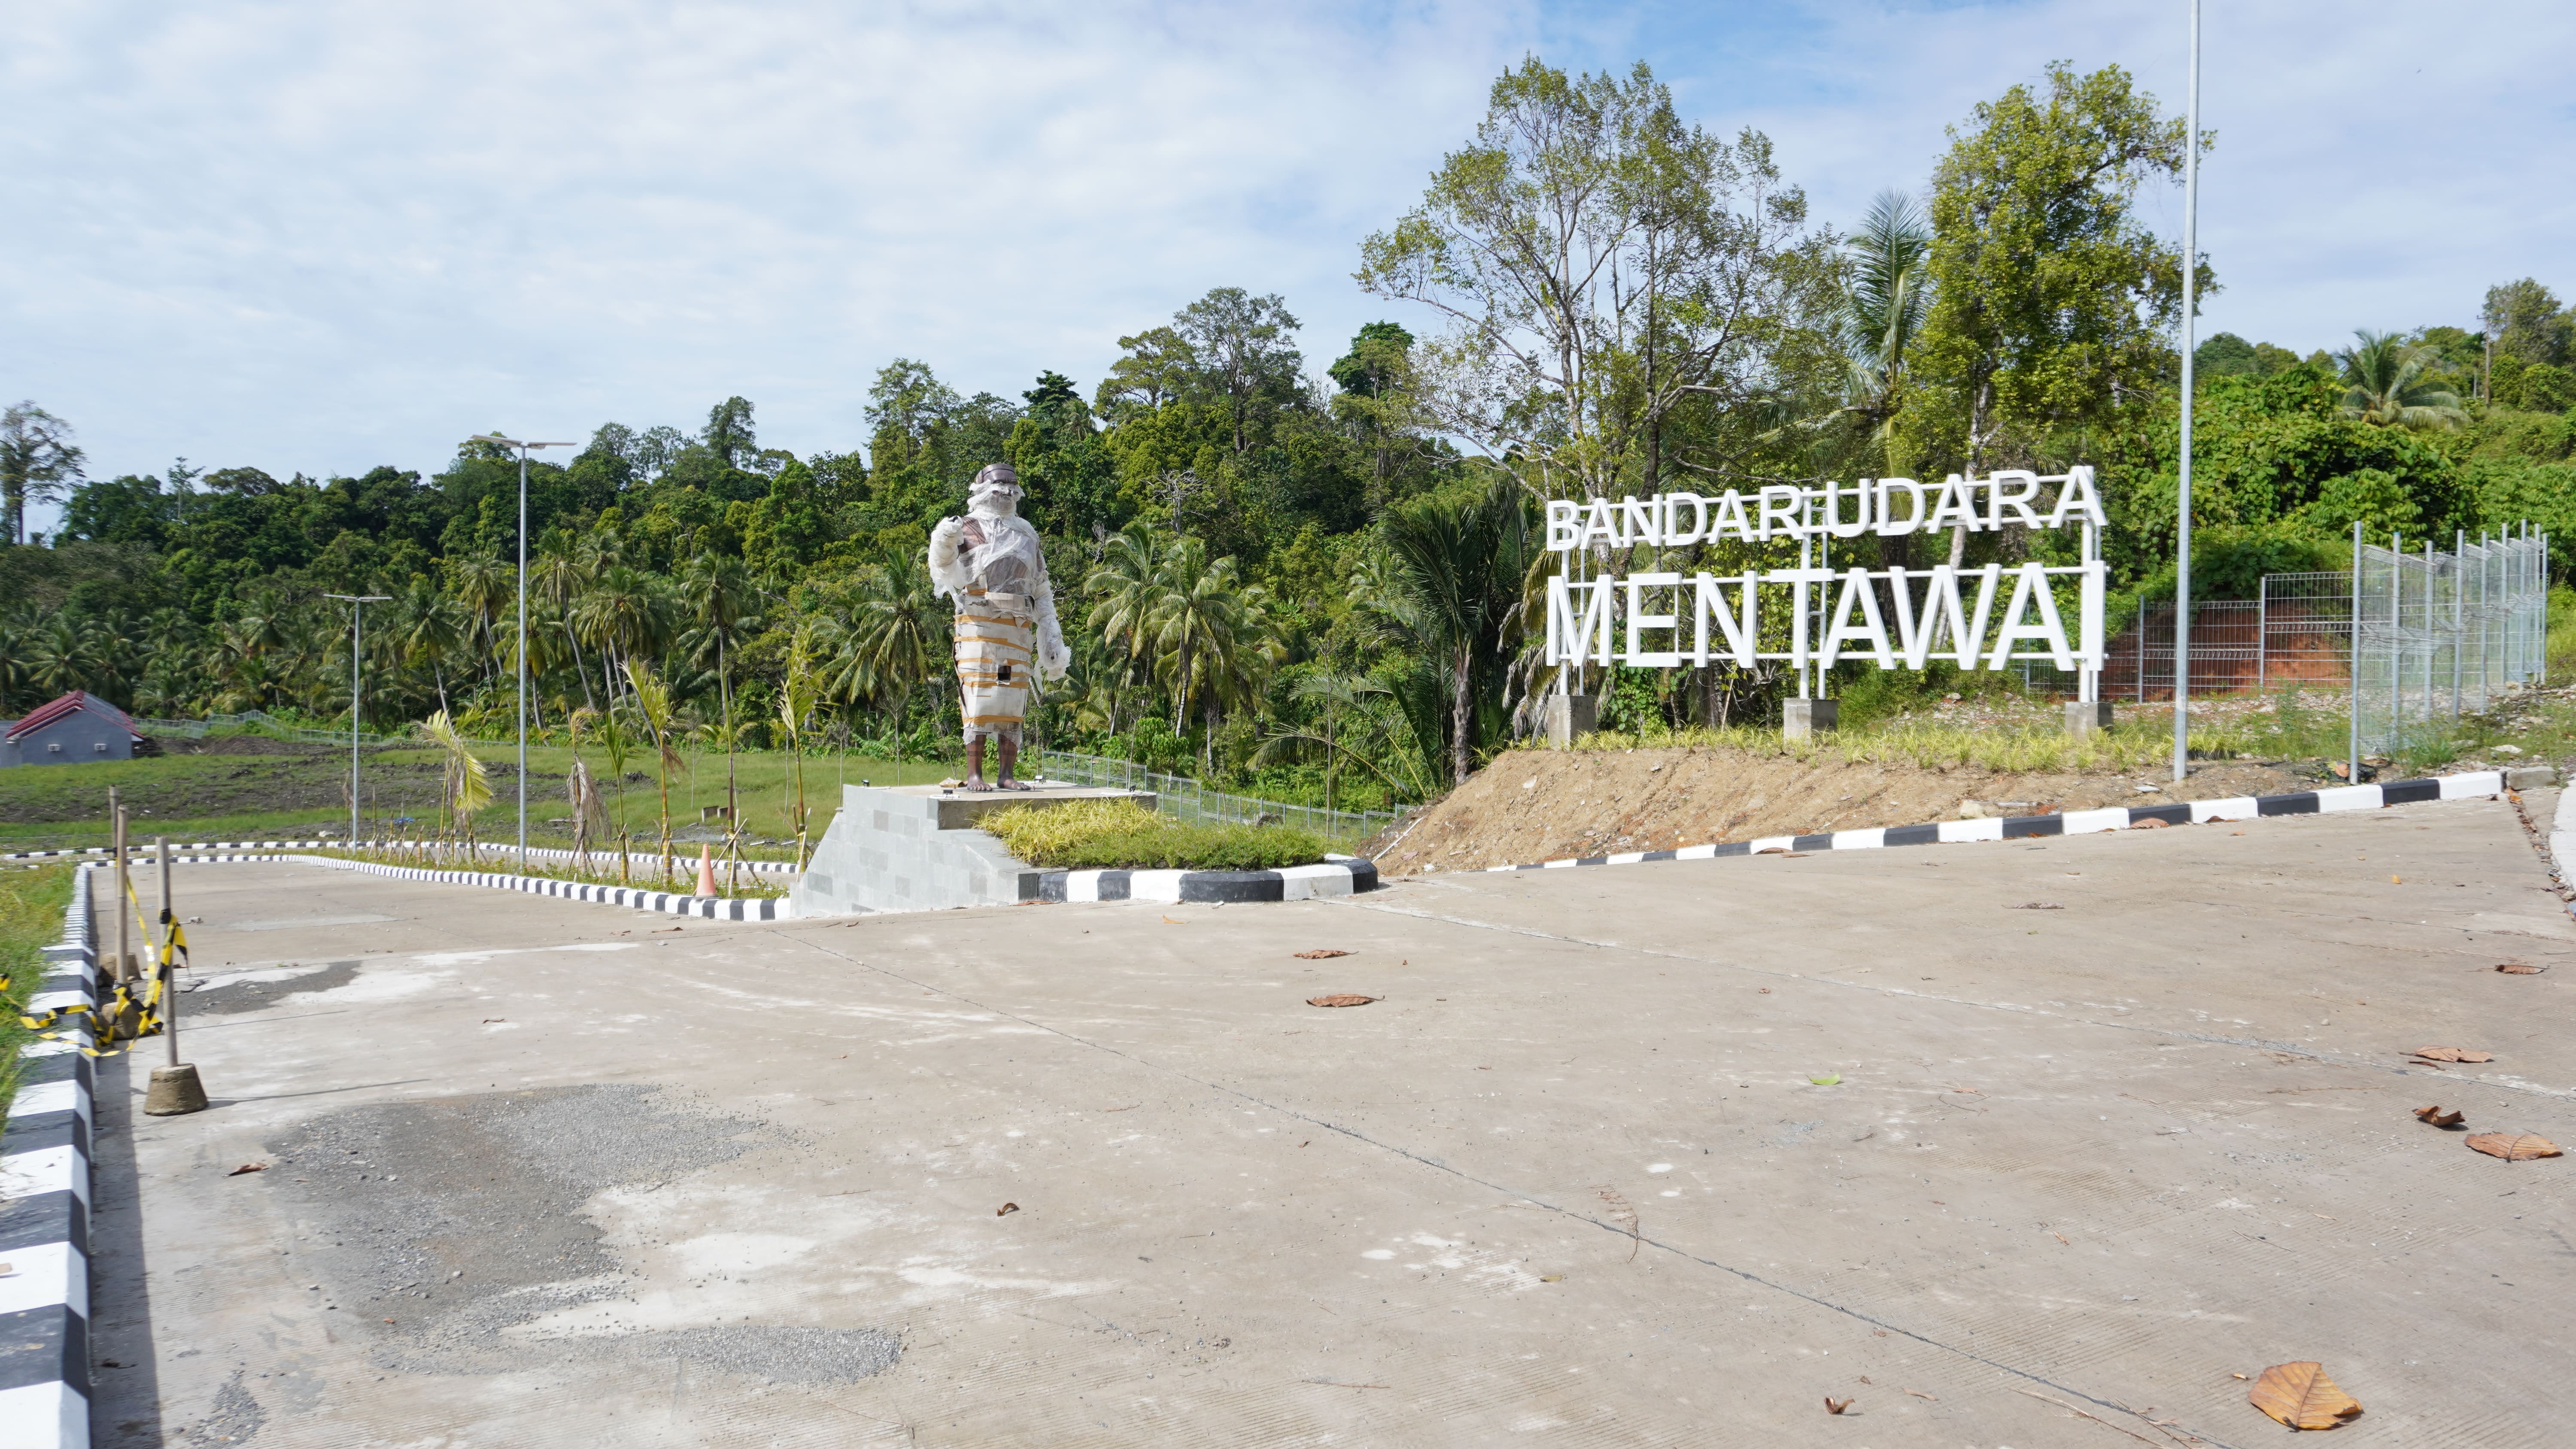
pixel 2353 767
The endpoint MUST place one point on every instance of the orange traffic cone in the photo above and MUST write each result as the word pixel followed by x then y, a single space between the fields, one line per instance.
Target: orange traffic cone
pixel 706 870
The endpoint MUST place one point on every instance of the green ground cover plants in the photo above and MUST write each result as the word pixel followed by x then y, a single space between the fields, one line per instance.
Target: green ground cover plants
pixel 31 918
pixel 1122 835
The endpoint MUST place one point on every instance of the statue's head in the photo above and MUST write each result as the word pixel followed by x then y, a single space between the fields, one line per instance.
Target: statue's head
pixel 995 492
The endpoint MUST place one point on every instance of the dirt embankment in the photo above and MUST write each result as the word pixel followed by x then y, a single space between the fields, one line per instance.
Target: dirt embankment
pixel 1536 805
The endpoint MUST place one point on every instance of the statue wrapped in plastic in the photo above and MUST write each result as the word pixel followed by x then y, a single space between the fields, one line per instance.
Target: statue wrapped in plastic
pixel 989 563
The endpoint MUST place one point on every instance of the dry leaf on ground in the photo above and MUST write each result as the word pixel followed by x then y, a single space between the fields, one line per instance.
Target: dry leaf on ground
pixel 2514 1146
pixel 2301 1396
pixel 1168 921
pixel 248 1167
pixel 1005 1209
pixel 1326 953
pixel 1836 1406
pixel 1918 1393
pixel 2150 824
pixel 2518 968
pixel 2451 1054
pixel 1342 999
pixel 2439 1118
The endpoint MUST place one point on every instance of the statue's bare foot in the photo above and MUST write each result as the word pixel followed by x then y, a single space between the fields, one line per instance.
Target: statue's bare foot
pixel 1010 784
pixel 976 784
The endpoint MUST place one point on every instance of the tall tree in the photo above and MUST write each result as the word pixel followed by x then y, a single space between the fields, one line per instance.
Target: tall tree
pixel 1240 343
pixel 724 607
pixel 37 461
pixel 1154 367
pixel 1600 263
pixel 2526 322
pixel 728 433
pixel 2052 302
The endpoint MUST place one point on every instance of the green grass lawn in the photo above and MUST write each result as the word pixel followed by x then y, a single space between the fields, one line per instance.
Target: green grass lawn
pixel 31 918
pixel 256 796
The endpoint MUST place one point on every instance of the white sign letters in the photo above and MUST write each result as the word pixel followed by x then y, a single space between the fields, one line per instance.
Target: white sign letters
pixel 1895 618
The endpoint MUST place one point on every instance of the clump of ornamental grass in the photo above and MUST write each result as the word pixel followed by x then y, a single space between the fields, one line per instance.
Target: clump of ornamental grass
pixel 1123 835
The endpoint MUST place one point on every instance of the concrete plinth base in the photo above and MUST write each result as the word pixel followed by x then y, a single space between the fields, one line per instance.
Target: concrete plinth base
pixel 1803 718
pixel 917 848
pixel 175 1091
pixel 2087 717
pixel 1565 716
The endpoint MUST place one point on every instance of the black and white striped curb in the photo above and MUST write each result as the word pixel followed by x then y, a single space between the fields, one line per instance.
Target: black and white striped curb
pixel 44 1208
pixel 100 852
pixel 1339 875
pixel 2074 822
pixel 711 908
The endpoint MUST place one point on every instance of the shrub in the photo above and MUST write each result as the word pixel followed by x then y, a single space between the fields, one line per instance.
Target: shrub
pixel 1122 835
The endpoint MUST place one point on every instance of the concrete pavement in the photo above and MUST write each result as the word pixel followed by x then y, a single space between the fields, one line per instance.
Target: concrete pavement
pixel 2118 1117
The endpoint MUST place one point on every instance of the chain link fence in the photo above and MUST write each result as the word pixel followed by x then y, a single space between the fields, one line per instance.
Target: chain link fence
pixel 1192 801
pixel 2444 634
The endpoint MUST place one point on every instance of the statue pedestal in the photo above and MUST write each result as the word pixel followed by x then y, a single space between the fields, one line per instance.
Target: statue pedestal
pixel 917 848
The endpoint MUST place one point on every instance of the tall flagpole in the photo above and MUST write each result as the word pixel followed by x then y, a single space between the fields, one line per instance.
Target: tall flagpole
pixel 2190 277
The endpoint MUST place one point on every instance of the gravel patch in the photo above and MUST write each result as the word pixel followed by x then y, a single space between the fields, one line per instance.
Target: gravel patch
pixel 436 1227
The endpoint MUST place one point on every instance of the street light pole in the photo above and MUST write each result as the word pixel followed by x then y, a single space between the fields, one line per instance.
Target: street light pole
pixel 2190 277
pixel 357 643
pixel 523 626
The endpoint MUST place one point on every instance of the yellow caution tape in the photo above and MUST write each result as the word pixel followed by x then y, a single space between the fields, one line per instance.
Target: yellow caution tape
pixel 172 954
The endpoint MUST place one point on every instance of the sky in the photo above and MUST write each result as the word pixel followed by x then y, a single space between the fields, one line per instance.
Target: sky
pixel 318 238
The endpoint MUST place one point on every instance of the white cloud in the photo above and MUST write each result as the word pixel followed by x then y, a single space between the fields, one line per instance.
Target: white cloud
pixel 321 237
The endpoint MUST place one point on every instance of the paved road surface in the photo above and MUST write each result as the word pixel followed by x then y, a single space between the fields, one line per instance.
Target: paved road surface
pixel 2119 1117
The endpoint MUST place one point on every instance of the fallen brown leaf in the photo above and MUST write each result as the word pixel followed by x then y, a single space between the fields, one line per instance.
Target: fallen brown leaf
pixel 2514 1146
pixel 1341 999
pixel 2061 1237
pixel 2301 1396
pixel 2396 880
pixel 1551 1277
pixel 1836 1406
pixel 248 1167
pixel 2439 1118
pixel 1326 953
pixel 2152 824
pixel 1918 1393
pixel 2451 1054
pixel 2518 968
pixel 1766 990
pixel 1168 921
pixel 1006 1209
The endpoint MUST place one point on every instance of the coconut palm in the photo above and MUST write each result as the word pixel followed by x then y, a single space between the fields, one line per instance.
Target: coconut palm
pixel 1885 293
pixel 722 604
pixel 628 614
pixel 464 786
pixel 484 585
pixel 429 628
pixel 796 698
pixel 2385 385
pixel 558 580
pixel 1356 721
pixel 1461 560
pixel 892 639
pixel 653 706
pixel 64 654
pixel 1210 636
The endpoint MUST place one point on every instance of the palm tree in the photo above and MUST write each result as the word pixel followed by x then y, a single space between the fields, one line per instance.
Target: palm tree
pixel 63 655
pixel 464 786
pixel 484 586
pixel 653 705
pixel 1461 559
pixel 558 581
pixel 428 628
pixel 1885 294
pixel 796 705
pixel 627 614
pixel 1356 720
pixel 721 601
pixel 891 641
pixel 2385 386
pixel 1211 638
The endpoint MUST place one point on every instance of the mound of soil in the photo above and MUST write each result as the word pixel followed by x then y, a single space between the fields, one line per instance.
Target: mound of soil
pixel 1536 805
